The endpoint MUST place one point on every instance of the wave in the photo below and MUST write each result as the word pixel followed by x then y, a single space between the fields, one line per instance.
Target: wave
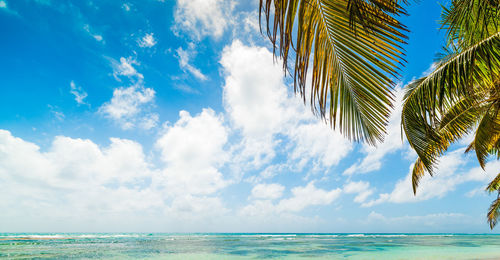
pixel 66 236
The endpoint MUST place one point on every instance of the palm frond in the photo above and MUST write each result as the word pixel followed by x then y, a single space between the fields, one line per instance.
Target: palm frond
pixel 493 212
pixel 462 76
pixel 456 123
pixel 470 21
pixel 416 174
pixel 487 134
pixel 356 51
pixel 494 185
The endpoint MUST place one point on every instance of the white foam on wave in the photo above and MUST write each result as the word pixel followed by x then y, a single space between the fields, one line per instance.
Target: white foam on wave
pixel 67 236
pixel 355 235
pixel 269 235
pixel 321 235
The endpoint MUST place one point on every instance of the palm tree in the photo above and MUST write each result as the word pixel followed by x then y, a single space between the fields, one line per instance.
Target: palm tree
pixel 356 54
pixel 462 95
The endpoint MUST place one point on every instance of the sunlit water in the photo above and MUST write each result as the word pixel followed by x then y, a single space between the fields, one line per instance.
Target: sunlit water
pixel 251 246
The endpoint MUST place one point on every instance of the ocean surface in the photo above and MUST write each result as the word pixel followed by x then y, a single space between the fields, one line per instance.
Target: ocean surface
pixel 250 246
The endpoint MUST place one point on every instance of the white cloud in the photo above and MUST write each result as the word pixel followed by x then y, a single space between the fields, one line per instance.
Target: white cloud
pixel 251 22
pixel 97 37
pixel 200 18
pixel 148 121
pixel 3 4
pixel 306 196
pixel 476 191
pixel 125 68
pixel 147 41
pixel 130 106
pixel 78 92
pixel 73 170
pixel 319 143
pixel 78 186
pixel 261 107
pixel 127 103
pixel 254 97
pixel 267 191
pixel 361 189
pixel 302 197
pixel 184 56
pixel 269 172
pixel 193 150
pixel 447 177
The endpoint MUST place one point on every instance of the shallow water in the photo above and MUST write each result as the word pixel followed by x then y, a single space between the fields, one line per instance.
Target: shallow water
pixel 251 246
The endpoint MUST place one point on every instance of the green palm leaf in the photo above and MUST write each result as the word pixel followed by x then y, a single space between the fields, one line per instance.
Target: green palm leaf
pixel 461 95
pixel 356 51
pixel 494 213
pixel 459 120
pixel 494 185
pixel 487 134
pixel 463 75
pixel 470 21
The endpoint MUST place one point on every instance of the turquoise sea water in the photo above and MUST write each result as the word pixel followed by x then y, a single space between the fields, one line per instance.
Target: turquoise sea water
pixel 250 246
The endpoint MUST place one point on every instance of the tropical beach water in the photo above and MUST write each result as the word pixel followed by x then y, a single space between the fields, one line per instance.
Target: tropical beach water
pixel 250 246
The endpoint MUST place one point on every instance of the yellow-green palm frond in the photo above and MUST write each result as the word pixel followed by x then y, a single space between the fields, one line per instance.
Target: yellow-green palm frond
pixel 494 212
pixel 487 134
pixel 461 95
pixel 468 21
pixel 494 185
pixel 458 121
pixel 467 76
pixel 369 12
pixel 416 174
pixel 356 52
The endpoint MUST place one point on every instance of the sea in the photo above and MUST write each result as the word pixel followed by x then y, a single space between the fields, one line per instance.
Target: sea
pixel 248 246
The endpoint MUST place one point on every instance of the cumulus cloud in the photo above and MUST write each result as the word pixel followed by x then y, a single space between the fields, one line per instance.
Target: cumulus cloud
pixel 267 191
pixel 78 181
pixel 307 196
pixel 254 97
pixel 260 105
pixel 193 150
pixel 318 143
pixel 78 92
pixel 130 106
pixel 448 176
pixel 302 197
pixel 361 189
pixel 127 103
pixel 74 176
pixel 201 18
pixel 147 41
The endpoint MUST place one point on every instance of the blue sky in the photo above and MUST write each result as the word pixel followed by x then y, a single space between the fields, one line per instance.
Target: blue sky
pixel 170 116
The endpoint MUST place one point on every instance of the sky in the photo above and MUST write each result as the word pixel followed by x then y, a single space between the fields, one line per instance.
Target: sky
pixel 171 116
